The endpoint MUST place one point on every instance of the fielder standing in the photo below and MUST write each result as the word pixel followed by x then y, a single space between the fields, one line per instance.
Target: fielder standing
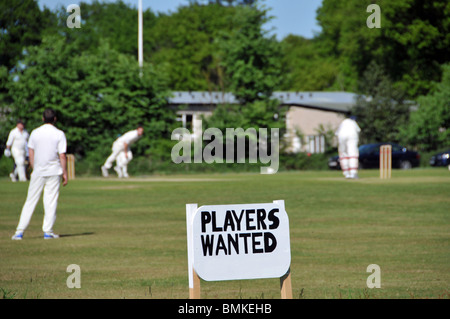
pixel 16 145
pixel 47 150
pixel 348 137
pixel 121 147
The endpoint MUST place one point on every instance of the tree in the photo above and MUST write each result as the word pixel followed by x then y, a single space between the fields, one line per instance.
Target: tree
pixel 113 22
pixel 21 24
pixel 411 44
pixel 381 110
pixel 97 96
pixel 429 127
pixel 252 64
pixel 251 59
pixel 185 42
pixel 307 66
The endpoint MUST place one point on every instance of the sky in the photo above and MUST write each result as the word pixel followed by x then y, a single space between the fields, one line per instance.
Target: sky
pixel 290 16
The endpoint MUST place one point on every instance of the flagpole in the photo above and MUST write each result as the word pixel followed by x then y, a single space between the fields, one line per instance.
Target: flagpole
pixel 140 38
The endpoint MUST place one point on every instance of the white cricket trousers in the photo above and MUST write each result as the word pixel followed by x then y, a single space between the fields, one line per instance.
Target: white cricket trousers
pixel 50 185
pixel 122 163
pixel 116 149
pixel 19 159
pixel 349 156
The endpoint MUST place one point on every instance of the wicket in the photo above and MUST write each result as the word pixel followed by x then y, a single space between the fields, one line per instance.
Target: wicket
pixel 385 161
pixel 70 166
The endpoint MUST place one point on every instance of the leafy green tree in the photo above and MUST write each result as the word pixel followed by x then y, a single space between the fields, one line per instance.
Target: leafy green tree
pixel 411 44
pixel 381 110
pixel 252 63
pixel 113 22
pixel 429 127
pixel 252 59
pixel 185 42
pixel 97 96
pixel 21 24
pixel 307 66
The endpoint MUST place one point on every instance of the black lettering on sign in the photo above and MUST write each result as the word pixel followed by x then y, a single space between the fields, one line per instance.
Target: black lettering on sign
pixel 249 219
pixel 214 223
pixel 248 235
pixel 238 219
pixel 233 241
pixel 270 242
pixel 206 219
pixel 207 244
pixel 256 243
pixel 274 219
pixel 229 222
pixel 253 243
pixel 245 236
pixel 221 246
pixel 260 216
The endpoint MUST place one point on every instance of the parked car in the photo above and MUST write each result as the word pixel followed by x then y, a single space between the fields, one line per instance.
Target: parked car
pixel 441 159
pixel 369 157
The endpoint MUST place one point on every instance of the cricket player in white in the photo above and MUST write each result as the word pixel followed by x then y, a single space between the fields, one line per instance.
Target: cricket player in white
pixel 47 150
pixel 121 147
pixel 16 145
pixel 122 161
pixel 348 137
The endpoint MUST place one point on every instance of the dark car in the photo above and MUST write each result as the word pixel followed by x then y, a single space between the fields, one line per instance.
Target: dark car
pixel 441 159
pixel 369 157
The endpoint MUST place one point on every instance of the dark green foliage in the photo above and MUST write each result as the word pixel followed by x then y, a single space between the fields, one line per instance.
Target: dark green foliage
pixel 411 44
pixel 308 66
pixel 90 75
pixel 185 42
pixel 381 110
pixel 97 96
pixel 21 24
pixel 429 127
pixel 251 59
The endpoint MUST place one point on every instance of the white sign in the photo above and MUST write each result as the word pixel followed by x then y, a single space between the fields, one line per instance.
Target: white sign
pixel 232 242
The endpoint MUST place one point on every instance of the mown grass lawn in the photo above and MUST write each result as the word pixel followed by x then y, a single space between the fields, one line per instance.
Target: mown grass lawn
pixel 129 236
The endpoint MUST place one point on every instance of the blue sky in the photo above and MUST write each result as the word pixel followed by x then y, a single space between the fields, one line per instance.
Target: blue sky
pixel 290 16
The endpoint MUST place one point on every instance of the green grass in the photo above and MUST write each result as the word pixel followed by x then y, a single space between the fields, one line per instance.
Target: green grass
pixel 129 236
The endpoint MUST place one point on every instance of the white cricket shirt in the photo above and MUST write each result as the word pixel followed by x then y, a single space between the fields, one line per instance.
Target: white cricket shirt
pixel 17 139
pixel 348 128
pixel 129 137
pixel 47 142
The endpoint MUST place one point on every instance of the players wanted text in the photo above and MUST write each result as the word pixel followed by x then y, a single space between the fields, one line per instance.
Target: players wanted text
pixel 240 232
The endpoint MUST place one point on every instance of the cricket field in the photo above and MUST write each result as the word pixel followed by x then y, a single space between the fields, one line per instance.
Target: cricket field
pixel 128 237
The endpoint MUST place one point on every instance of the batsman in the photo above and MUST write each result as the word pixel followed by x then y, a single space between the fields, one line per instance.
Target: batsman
pixel 348 137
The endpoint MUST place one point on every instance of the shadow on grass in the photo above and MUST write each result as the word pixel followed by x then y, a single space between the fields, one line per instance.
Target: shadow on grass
pixel 78 234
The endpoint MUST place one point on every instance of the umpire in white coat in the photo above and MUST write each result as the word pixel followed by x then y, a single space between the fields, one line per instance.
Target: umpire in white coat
pixel 348 138
pixel 47 150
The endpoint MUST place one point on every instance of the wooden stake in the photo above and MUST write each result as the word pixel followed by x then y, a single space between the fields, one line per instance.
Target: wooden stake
pixel 286 286
pixel 194 292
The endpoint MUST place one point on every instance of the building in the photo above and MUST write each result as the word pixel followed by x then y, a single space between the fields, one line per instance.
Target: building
pixel 309 114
